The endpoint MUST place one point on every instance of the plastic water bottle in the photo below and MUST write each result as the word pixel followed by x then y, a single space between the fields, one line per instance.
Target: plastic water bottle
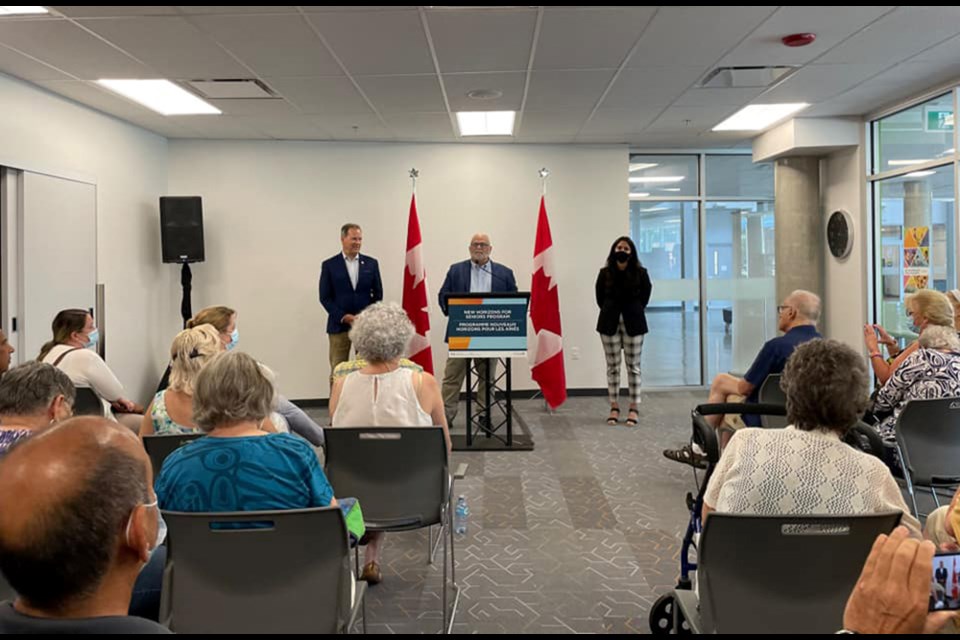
pixel 460 516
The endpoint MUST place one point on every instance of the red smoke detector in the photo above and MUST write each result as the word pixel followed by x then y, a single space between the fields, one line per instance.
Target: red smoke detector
pixel 799 39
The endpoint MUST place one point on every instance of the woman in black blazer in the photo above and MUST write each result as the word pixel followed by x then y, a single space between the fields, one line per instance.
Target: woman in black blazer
pixel 623 291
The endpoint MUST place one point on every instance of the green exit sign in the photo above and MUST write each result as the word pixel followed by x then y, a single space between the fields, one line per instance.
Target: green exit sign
pixel 938 119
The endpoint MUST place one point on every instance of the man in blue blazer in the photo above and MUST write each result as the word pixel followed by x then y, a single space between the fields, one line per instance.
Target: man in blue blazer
pixel 479 274
pixel 349 283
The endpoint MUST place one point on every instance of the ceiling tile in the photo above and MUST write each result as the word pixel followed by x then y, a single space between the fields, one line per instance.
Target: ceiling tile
pixel 75 51
pixel 422 126
pixel 274 45
pixel 651 86
pixel 817 82
pixel 403 93
pixel 589 38
pixel 19 65
pixel 320 95
pixel 617 121
pixel 171 45
pixel 459 84
pixel 884 42
pixel 376 43
pixel 688 35
pixel 101 12
pixel 487 40
pixel 557 90
pixel 551 123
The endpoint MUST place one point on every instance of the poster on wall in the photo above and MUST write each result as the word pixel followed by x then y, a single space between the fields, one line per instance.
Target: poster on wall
pixel 916 258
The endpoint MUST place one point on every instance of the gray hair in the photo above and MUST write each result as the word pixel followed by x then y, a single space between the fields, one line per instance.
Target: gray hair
pixel 941 338
pixel 28 389
pixel 381 332
pixel 345 229
pixel 826 384
pixel 806 303
pixel 232 388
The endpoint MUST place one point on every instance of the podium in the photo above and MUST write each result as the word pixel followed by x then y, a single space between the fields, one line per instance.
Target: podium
pixel 489 328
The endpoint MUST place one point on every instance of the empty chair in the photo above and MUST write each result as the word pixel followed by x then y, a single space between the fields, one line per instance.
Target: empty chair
pixel 401 477
pixel 787 574
pixel 287 573
pixel 928 441
pixel 159 447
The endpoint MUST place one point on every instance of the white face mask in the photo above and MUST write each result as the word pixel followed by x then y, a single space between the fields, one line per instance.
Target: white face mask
pixel 161 527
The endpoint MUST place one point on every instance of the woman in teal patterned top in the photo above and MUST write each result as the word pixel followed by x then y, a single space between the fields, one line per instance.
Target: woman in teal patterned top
pixel 238 466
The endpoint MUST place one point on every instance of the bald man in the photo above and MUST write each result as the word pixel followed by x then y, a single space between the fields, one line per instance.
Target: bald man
pixel 797 318
pixel 78 521
pixel 479 274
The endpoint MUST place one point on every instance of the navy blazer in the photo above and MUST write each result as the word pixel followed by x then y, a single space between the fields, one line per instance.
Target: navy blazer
pixel 337 294
pixel 458 281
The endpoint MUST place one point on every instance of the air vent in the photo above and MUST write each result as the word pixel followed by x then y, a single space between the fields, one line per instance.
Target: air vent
pixel 745 77
pixel 233 89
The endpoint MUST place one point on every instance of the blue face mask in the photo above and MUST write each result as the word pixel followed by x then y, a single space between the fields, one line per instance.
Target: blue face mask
pixel 234 339
pixel 93 339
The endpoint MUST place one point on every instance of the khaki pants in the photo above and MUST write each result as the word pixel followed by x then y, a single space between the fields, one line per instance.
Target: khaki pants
pixel 453 376
pixel 339 350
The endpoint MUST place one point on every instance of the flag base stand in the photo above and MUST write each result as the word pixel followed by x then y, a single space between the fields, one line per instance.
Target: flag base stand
pixel 490 427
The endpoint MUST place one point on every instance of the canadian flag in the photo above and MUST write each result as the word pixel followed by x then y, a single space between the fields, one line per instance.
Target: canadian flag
pixel 547 367
pixel 415 293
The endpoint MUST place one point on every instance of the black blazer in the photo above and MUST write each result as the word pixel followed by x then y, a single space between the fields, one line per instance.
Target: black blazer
pixel 630 303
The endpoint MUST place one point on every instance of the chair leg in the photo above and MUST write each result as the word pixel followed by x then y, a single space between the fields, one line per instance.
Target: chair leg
pixel 356 559
pixel 363 614
pixel 453 578
pixel 443 587
pixel 936 499
pixel 430 544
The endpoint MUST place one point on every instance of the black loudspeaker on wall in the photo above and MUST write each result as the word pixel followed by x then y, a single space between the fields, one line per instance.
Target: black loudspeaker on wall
pixel 181 228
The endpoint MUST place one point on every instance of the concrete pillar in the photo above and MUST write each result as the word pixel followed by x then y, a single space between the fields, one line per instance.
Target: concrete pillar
pixel 799 227
pixel 916 204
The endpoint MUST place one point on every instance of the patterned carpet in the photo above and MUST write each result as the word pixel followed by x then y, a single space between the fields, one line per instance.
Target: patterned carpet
pixel 580 535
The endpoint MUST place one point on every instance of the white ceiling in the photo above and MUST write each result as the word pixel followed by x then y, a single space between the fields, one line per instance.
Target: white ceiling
pixel 576 74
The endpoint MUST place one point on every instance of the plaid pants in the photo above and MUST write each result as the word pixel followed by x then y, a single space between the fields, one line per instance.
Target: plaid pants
pixel 632 347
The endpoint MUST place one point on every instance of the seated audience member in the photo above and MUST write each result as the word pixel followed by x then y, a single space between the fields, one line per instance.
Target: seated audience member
pixel 347 367
pixel 33 395
pixel 797 319
pixel 6 350
pixel 942 525
pixel 892 594
pixel 925 308
pixel 384 394
pixel 238 466
pixel 72 350
pixel 171 411
pixel 806 468
pixel 224 320
pixel 931 371
pixel 78 521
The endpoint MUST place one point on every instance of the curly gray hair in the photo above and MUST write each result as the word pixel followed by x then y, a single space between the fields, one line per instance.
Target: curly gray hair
pixel 381 332
pixel 232 388
pixel 826 384
pixel 942 338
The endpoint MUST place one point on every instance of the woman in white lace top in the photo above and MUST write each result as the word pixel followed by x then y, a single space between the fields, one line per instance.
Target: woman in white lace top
pixel 807 469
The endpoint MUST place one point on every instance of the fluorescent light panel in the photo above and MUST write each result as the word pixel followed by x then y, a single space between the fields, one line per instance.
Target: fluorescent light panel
pixel 756 117
pixel 162 96
pixel 920 174
pixel 641 166
pixel 486 123
pixel 638 196
pixel 904 163
pixel 22 11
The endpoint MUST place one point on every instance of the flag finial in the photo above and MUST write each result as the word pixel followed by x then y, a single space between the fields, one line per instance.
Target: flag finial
pixel 544 174
pixel 414 174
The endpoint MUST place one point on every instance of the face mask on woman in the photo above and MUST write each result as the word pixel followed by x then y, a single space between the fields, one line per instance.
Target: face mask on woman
pixel 234 339
pixel 621 256
pixel 93 339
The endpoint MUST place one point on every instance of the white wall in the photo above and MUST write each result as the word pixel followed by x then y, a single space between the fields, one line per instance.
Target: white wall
pixel 273 210
pixel 48 134
pixel 846 302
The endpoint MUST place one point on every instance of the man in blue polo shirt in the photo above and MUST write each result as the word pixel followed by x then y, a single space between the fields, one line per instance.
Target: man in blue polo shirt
pixel 797 319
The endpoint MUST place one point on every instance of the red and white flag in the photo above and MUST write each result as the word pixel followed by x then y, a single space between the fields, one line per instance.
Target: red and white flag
pixel 415 293
pixel 547 367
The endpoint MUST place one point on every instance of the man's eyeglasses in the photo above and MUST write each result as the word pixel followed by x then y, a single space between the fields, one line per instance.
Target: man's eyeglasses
pixel 780 308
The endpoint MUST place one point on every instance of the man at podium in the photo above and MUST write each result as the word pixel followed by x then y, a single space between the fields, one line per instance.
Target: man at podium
pixel 479 274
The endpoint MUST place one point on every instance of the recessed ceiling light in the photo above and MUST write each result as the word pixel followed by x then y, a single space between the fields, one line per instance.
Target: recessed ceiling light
pixel 669 189
pixel 22 11
pixel 757 117
pixel 162 96
pixel 652 209
pixel 920 174
pixel 642 179
pixel 641 166
pixel 638 196
pixel 486 123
